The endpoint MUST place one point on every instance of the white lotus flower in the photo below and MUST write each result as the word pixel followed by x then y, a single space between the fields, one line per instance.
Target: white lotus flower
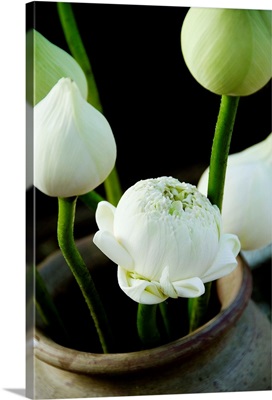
pixel 74 148
pixel 247 201
pixel 46 64
pixel 228 51
pixel 166 238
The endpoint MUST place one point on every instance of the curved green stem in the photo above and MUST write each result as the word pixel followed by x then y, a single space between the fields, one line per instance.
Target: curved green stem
pixel 147 325
pixel 80 271
pixel 217 172
pixel 76 46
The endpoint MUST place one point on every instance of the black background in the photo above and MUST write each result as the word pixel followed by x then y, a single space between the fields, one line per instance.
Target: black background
pixel 162 119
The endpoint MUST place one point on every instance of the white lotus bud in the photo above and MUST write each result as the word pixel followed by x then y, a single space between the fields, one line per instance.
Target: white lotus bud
pixel 166 238
pixel 46 64
pixel 228 51
pixel 74 148
pixel 246 209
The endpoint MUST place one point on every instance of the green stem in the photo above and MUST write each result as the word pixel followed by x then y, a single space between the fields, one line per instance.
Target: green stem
pixel 91 199
pixel 77 49
pixel 167 323
pixel 48 311
pixel 197 308
pixel 80 271
pixel 217 172
pixel 113 188
pixel 147 325
pixel 220 148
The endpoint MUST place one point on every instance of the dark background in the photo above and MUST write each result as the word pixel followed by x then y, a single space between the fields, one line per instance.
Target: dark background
pixel 162 119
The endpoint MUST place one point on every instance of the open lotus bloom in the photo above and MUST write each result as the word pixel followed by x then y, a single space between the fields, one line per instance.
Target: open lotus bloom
pixel 246 209
pixel 74 147
pixel 46 64
pixel 228 51
pixel 167 240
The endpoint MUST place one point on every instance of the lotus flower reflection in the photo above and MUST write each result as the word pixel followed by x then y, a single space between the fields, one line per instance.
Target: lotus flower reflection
pixel 167 240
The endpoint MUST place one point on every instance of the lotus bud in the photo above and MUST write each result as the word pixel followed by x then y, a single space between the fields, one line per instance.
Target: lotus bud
pixel 74 148
pixel 46 64
pixel 167 240
pixel 228 51
pixel 247 201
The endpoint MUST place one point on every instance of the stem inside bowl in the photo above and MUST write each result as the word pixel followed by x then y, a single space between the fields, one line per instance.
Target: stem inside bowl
pixel 121 310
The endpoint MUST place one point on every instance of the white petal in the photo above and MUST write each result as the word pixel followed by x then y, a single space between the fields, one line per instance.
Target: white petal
pixel 203 182
pixel 225 261
pixel 192 287
pixel 166 285
pixel 247 205
pixel 107 243
pixel 104 216
pixel 140 290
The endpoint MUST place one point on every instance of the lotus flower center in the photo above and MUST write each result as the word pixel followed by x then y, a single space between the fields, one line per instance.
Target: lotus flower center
pixel 171 200
pixel 171 196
